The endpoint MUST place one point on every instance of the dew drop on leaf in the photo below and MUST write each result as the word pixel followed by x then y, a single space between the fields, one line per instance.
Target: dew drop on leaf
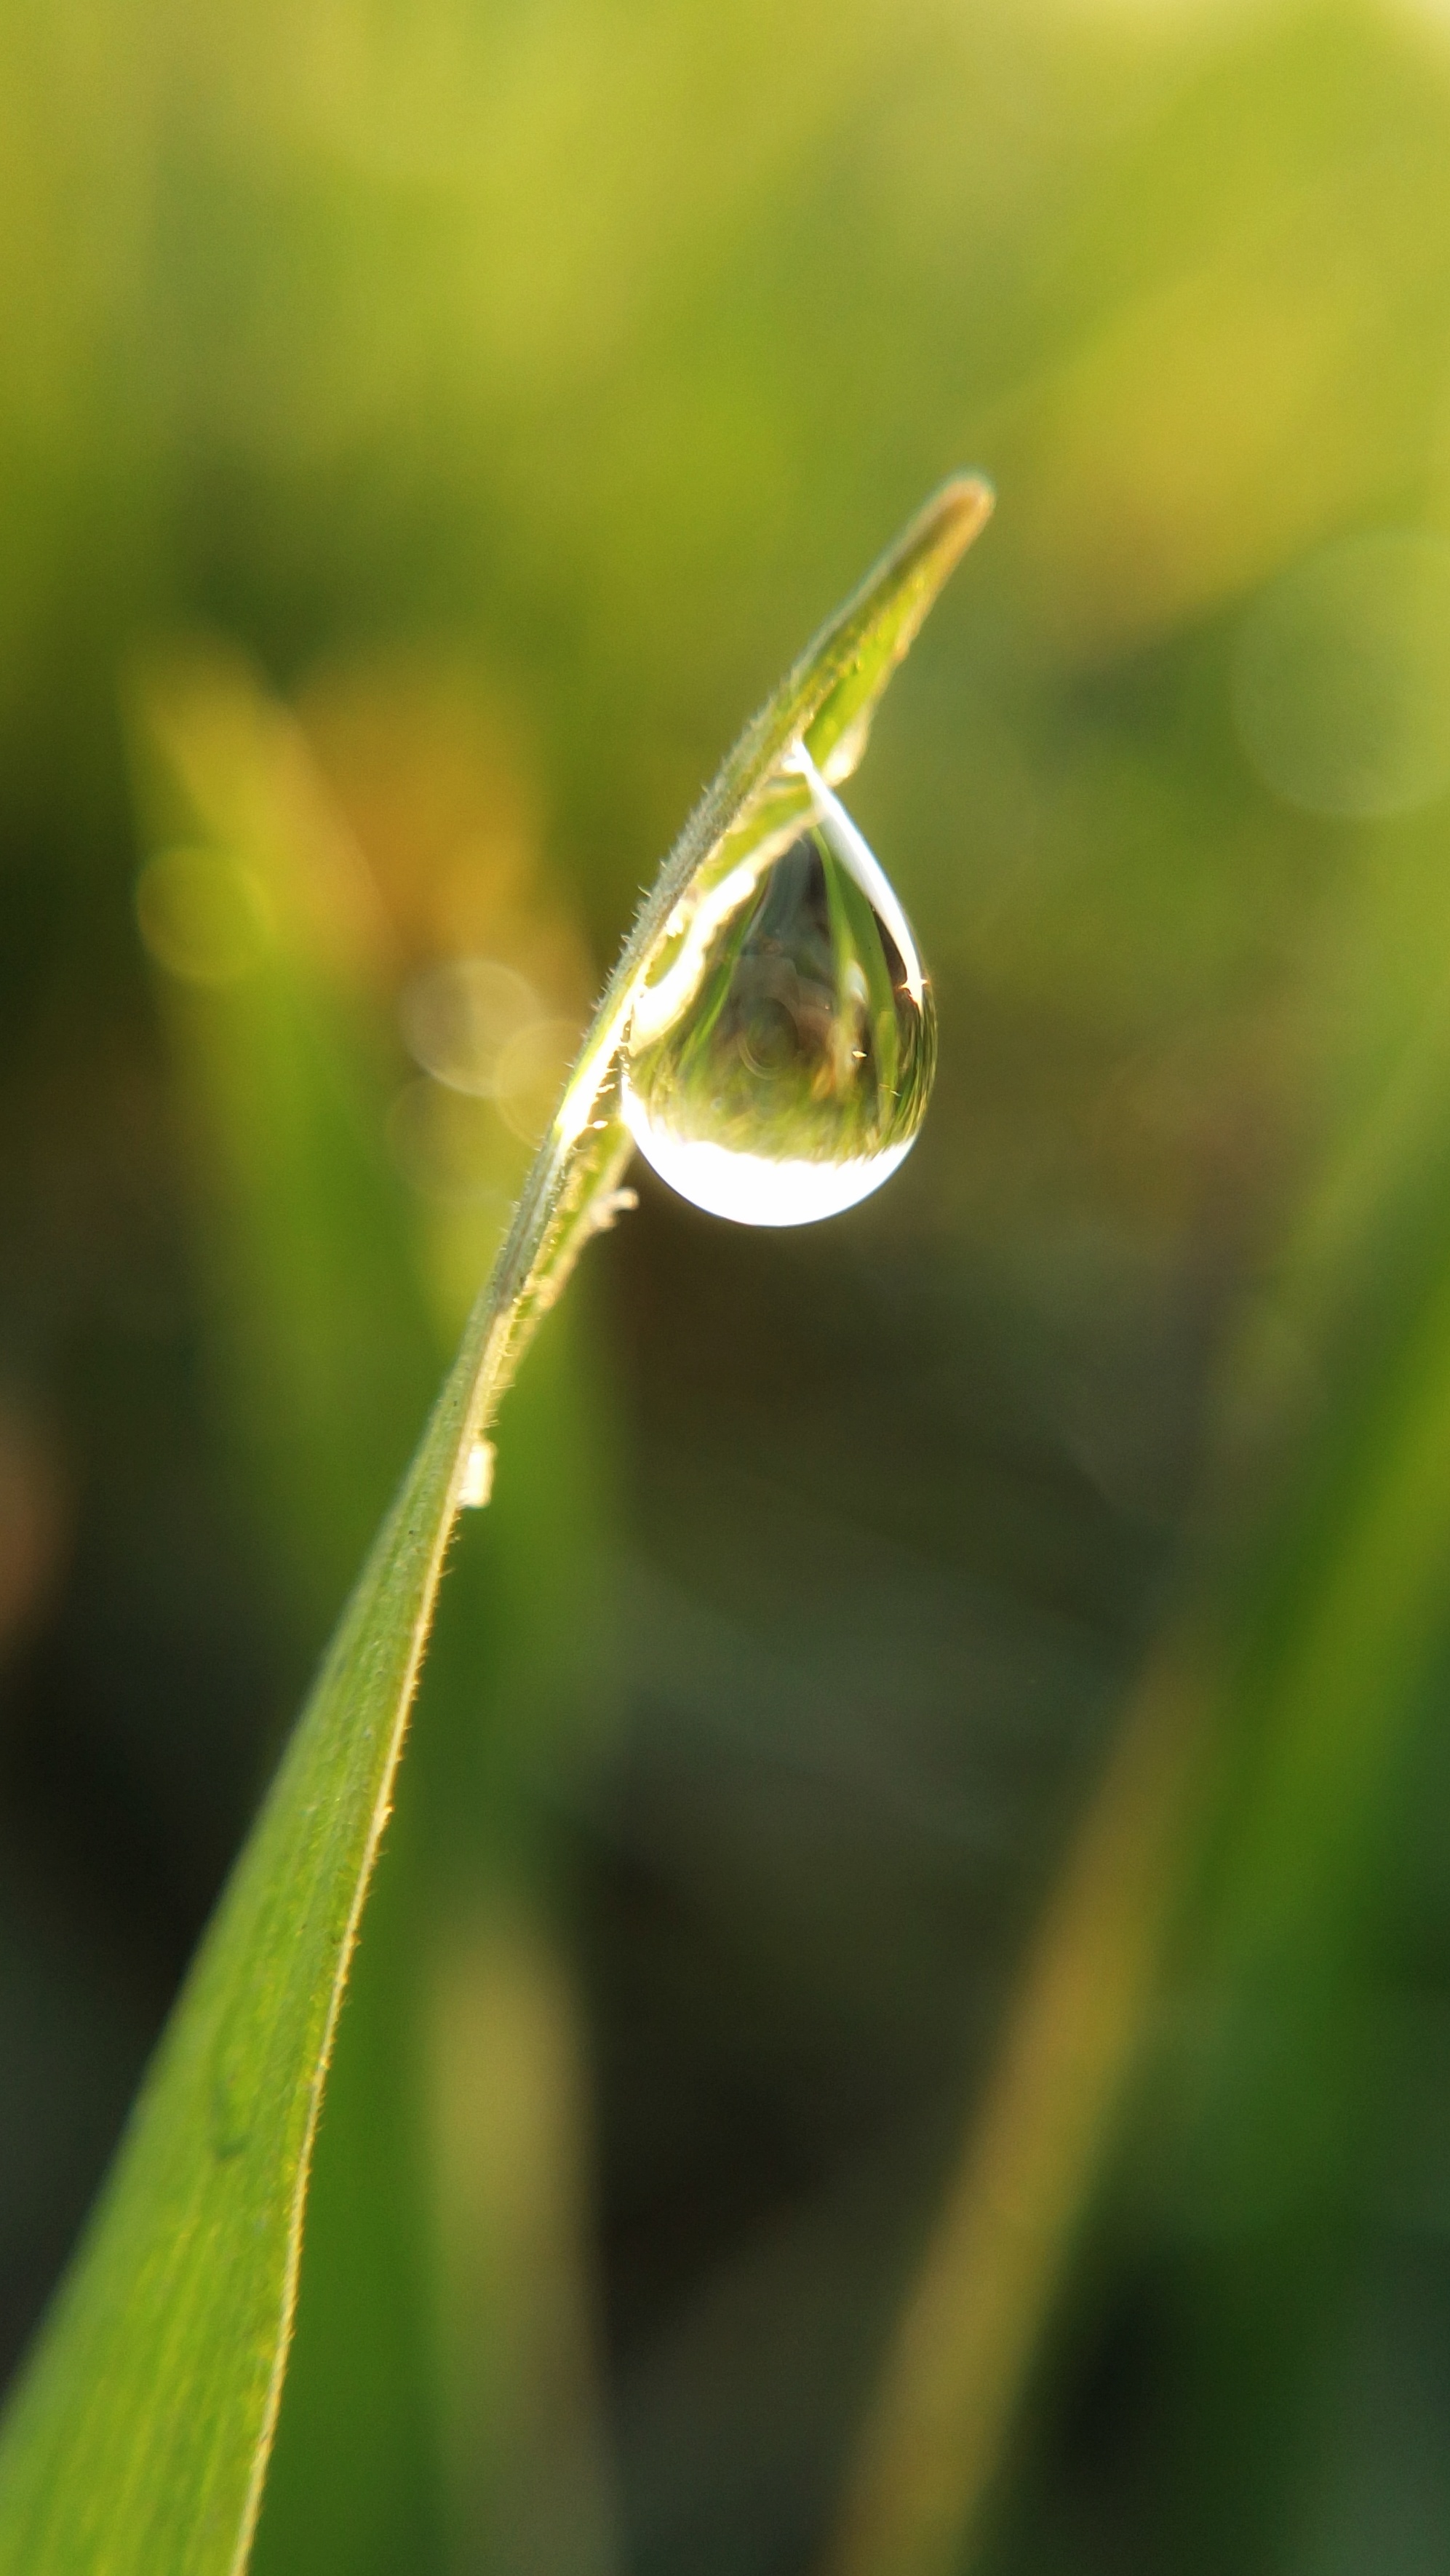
pixel 781 1048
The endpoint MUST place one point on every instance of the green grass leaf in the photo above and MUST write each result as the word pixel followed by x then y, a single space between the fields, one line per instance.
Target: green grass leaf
pixel 138 2440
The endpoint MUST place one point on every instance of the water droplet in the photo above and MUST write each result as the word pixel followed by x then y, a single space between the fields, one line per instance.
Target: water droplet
pixel 781 1050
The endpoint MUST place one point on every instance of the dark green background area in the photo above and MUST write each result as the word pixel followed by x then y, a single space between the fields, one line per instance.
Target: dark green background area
pixel 593 352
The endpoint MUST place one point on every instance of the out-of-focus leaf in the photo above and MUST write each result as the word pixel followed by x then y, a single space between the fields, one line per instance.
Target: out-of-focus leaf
pixel 1236 1838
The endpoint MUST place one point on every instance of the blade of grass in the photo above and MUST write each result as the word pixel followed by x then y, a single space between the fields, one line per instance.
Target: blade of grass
pixel 441 2275
pixel 138 2439
pixel 310 1291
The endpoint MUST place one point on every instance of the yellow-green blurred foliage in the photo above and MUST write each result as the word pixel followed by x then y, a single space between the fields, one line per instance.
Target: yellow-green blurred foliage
pixel 928 1802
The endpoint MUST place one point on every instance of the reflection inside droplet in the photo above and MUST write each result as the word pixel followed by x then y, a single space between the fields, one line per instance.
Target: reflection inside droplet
pixel 781 1051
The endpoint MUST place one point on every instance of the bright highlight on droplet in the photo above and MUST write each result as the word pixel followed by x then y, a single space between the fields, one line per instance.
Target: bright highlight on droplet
pixel 780 1057
pixel 755 1191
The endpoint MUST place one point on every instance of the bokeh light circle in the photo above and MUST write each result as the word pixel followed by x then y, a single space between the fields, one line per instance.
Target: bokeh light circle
pixel 532 1070
pixel 459 1015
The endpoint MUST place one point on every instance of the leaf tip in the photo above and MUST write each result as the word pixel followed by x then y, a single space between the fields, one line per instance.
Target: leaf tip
pixel 959 510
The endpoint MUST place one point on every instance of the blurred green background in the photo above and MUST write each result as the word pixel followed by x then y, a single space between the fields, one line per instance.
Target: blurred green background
pixel 946 1711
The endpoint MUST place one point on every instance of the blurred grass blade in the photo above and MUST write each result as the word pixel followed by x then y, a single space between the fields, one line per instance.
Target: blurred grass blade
pixel 139 2438
pixel 961 2352
pixel 1239 1819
